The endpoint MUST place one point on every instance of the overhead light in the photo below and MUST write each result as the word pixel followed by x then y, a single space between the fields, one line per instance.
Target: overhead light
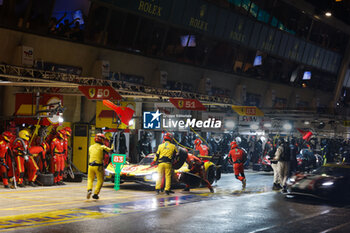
pixel 306 122
pixel 131 122
pixel 287 126
pixel 254 126
pixel 267 125
pixel 60 119
pixel 229 124
pixel 328 14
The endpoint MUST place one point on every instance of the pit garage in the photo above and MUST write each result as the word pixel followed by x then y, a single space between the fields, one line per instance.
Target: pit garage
pixel 174 116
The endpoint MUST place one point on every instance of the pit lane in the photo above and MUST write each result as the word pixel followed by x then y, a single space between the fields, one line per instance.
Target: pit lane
pixel 137 209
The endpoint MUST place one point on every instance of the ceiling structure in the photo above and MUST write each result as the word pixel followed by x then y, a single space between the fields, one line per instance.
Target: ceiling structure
pixel 340 9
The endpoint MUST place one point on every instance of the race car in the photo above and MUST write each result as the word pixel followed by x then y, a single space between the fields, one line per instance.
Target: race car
pixel 144 173
pixel 331 182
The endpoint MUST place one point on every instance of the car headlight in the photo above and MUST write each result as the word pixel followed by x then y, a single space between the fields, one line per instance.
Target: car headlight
pixel 291 181
pixel 327 183
pixel 155 176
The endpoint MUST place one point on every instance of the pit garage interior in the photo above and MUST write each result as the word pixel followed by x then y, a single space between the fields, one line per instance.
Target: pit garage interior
pixel 218 71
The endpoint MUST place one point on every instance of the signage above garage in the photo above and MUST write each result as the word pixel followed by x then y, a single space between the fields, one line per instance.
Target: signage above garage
pixel 100 93
pixel 187 104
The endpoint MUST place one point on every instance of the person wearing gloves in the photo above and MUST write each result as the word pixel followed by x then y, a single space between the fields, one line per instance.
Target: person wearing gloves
pixel 164 156
pixel 96 165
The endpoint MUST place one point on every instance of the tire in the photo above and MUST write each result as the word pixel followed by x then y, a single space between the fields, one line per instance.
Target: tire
pixel 45 179
pixel 180 159
pixel 218 173
pixel 190 179
pixel 210 174
pixel 78 177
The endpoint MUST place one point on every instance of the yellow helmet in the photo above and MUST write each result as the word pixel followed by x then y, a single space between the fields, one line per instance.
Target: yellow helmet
pixel 24 134
pixel 108 135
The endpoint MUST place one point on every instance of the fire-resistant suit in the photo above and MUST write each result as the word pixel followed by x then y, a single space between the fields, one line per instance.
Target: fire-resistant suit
pixel 20 150
pixel 165 154
pixel 4 147
pixel 196 167
pixel 96 165
pixel 57 152
pixel 237 157
pixel 203 149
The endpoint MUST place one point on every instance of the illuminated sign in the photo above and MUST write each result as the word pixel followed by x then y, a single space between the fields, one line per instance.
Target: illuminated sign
pixel 187 104
pixel 100 92
pixel 247 111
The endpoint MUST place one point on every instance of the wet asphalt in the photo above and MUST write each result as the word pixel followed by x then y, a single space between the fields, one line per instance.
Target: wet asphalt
pixel 257 209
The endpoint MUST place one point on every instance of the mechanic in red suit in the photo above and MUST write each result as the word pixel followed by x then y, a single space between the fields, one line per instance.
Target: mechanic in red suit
pixel 196 167
pixel 203 149
pixel 32 170
pixel 42 163
pixel 57 153
pixel 5 142
pixel 237 157
pixel 68 133
pixel 20 150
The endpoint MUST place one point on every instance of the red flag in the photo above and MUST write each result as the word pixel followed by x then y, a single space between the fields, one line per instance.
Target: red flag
pixel 124 113
pixel 306 134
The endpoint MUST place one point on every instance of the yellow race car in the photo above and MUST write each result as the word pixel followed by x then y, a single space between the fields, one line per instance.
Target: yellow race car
pixel 144 173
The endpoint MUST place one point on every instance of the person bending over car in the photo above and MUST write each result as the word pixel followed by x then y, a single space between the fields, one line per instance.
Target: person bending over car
pixel 196 167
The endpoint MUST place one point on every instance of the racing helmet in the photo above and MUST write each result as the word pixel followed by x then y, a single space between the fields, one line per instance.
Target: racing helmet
pixel 109 135
pixel 24 134
pixel 233 144
pixel 100 138
pixel 61 133
pixel 168 137
pixel 197 142
pixel 7 135
pixel 68 131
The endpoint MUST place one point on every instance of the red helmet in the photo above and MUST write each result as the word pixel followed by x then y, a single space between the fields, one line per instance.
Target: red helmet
pixel 100 138
pixel 197 142
pixel 8 136
pixel 68 131
pixel 233 144
pixel 168 137
pixel 61 133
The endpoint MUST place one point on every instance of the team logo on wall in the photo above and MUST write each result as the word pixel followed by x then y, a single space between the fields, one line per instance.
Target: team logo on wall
pixel 92 92
pixel 151 120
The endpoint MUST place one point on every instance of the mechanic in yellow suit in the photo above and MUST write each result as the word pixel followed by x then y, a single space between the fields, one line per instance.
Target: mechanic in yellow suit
pixel 96 165
pixel 164 156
